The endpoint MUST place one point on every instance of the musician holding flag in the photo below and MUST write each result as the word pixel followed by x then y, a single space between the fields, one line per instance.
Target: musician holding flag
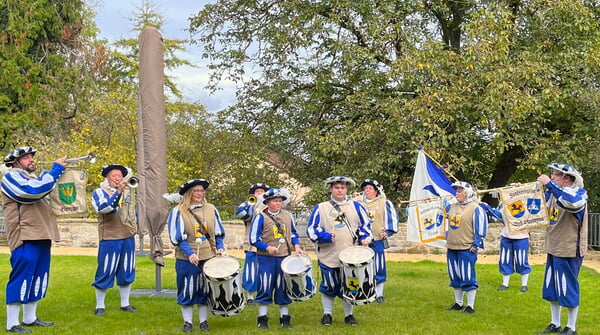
pixel 335 225
pixel 566 244
pixel 117 225
pixel 467 228
pixel 196 231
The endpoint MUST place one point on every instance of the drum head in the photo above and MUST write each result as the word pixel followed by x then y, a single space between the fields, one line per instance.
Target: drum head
pixel 296 264
pixel 221 267
pixel 357 255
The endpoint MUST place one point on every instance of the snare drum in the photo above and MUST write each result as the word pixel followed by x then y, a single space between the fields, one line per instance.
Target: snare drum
pixel 299 280
pixel 358 275
pixel 224 285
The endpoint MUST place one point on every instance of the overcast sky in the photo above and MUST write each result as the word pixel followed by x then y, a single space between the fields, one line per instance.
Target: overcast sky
pixel 113 21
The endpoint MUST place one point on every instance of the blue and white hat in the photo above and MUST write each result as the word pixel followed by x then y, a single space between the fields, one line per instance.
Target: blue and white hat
pixel 378 187
pixel 274 193
pixel 107 168
pixel 568 170
pixel 14 155
pixel 192 183
pixel 339 179
pixel 469 190
pixel 256 186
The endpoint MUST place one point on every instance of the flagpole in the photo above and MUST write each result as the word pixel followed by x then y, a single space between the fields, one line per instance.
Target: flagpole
pixel 436 162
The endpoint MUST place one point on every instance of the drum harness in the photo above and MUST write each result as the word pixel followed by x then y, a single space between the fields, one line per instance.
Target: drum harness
pixel 342 217
pixel 281 231
pixel 204 232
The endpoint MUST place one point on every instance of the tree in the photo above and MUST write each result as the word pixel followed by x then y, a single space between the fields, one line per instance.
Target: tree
pixel 42 82
pixel 495 89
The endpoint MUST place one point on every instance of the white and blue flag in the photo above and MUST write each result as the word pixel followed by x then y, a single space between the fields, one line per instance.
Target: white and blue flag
pixel 426 212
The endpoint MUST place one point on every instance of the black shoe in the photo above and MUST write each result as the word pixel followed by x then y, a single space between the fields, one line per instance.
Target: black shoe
pixel 455 307
pixel 18 329
pixel 380 300
pixel 204 326
pixel 250 302
pixel 550 329
pixel 263 322
pixel 284 320
pixel 502 288
pixel 524 289
pixel 39 323
pixel 99 312
pixel 129 309
pixel 568 331
pixel 187 327
pixel 469 310
pixel 326 320
pixel 350 320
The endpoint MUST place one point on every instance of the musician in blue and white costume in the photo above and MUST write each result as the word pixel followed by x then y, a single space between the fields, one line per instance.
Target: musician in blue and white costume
pixel 384 223
pixel 273 233
pixel 30 227
pixel 247 211
pixel 467 226
pixel 117 225
pixel 196 231
pixel 335 225
pixel 566 244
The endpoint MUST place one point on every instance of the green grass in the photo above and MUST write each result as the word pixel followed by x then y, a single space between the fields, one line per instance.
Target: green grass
pixel 417 295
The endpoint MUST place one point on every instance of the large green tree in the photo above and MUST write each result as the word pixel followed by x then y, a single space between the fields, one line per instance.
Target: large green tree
pixel 494 89
pixel 43 76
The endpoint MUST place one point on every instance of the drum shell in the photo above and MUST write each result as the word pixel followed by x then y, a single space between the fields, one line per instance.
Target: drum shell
pixel 298 276
pixel 358 275
pixel 224 285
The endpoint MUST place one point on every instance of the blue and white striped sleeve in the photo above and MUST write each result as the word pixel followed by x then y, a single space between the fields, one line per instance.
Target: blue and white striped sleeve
pixel 294 235
pixel 219 231
pixel 364 222
pixel 103 203
pixel 390 219
pixel 177 233
pixel 314 230
pixel 24 190
pixel 256 229
pixel 480 226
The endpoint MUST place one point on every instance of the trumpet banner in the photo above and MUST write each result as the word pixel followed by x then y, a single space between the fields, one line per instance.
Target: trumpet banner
pixel 431 220
pixel 524 207
pixel 68 199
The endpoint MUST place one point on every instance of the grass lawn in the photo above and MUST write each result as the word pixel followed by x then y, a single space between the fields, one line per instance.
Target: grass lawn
pixel 417 295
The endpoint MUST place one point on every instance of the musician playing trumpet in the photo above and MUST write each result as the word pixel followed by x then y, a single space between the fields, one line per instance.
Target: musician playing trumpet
pixel 114 203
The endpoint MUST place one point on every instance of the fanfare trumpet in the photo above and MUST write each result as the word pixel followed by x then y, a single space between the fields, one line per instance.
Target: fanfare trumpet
pixel 91 156
pixel 132 181
pixel 251 199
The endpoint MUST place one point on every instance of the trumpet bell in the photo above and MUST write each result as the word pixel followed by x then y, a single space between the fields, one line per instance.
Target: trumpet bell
pixel 251 199
pixel 133 182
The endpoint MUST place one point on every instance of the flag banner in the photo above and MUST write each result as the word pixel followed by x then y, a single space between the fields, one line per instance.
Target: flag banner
pixel 68 198
pixel 429 182
pixel 524 207
pixel 431 216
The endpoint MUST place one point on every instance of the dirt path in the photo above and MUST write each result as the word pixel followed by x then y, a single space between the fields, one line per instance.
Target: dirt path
pixel 592 260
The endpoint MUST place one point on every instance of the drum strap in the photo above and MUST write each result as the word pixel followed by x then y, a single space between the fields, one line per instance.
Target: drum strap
pixel 343 218
pixel 204 232
pixel 281 231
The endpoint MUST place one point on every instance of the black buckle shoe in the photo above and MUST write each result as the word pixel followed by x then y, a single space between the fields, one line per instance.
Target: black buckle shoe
pixel 502 288
pixel 524 289
pixel 326 320
pixel 284 320
pixel 129 309
pixel 455 307
pixel 550 329
pixel 469 310
pixel 568 331
pixel 350 320
pixel 99 312
pixel 379 299
pixel 263 322
pixel 204 326
pixel 187 327
pixel 18 330
pixel 250 302
pixel 39 323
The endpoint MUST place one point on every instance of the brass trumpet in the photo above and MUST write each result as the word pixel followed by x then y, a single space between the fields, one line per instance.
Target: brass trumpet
pixel 251 199
pixel 91 157
pixel 132 181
